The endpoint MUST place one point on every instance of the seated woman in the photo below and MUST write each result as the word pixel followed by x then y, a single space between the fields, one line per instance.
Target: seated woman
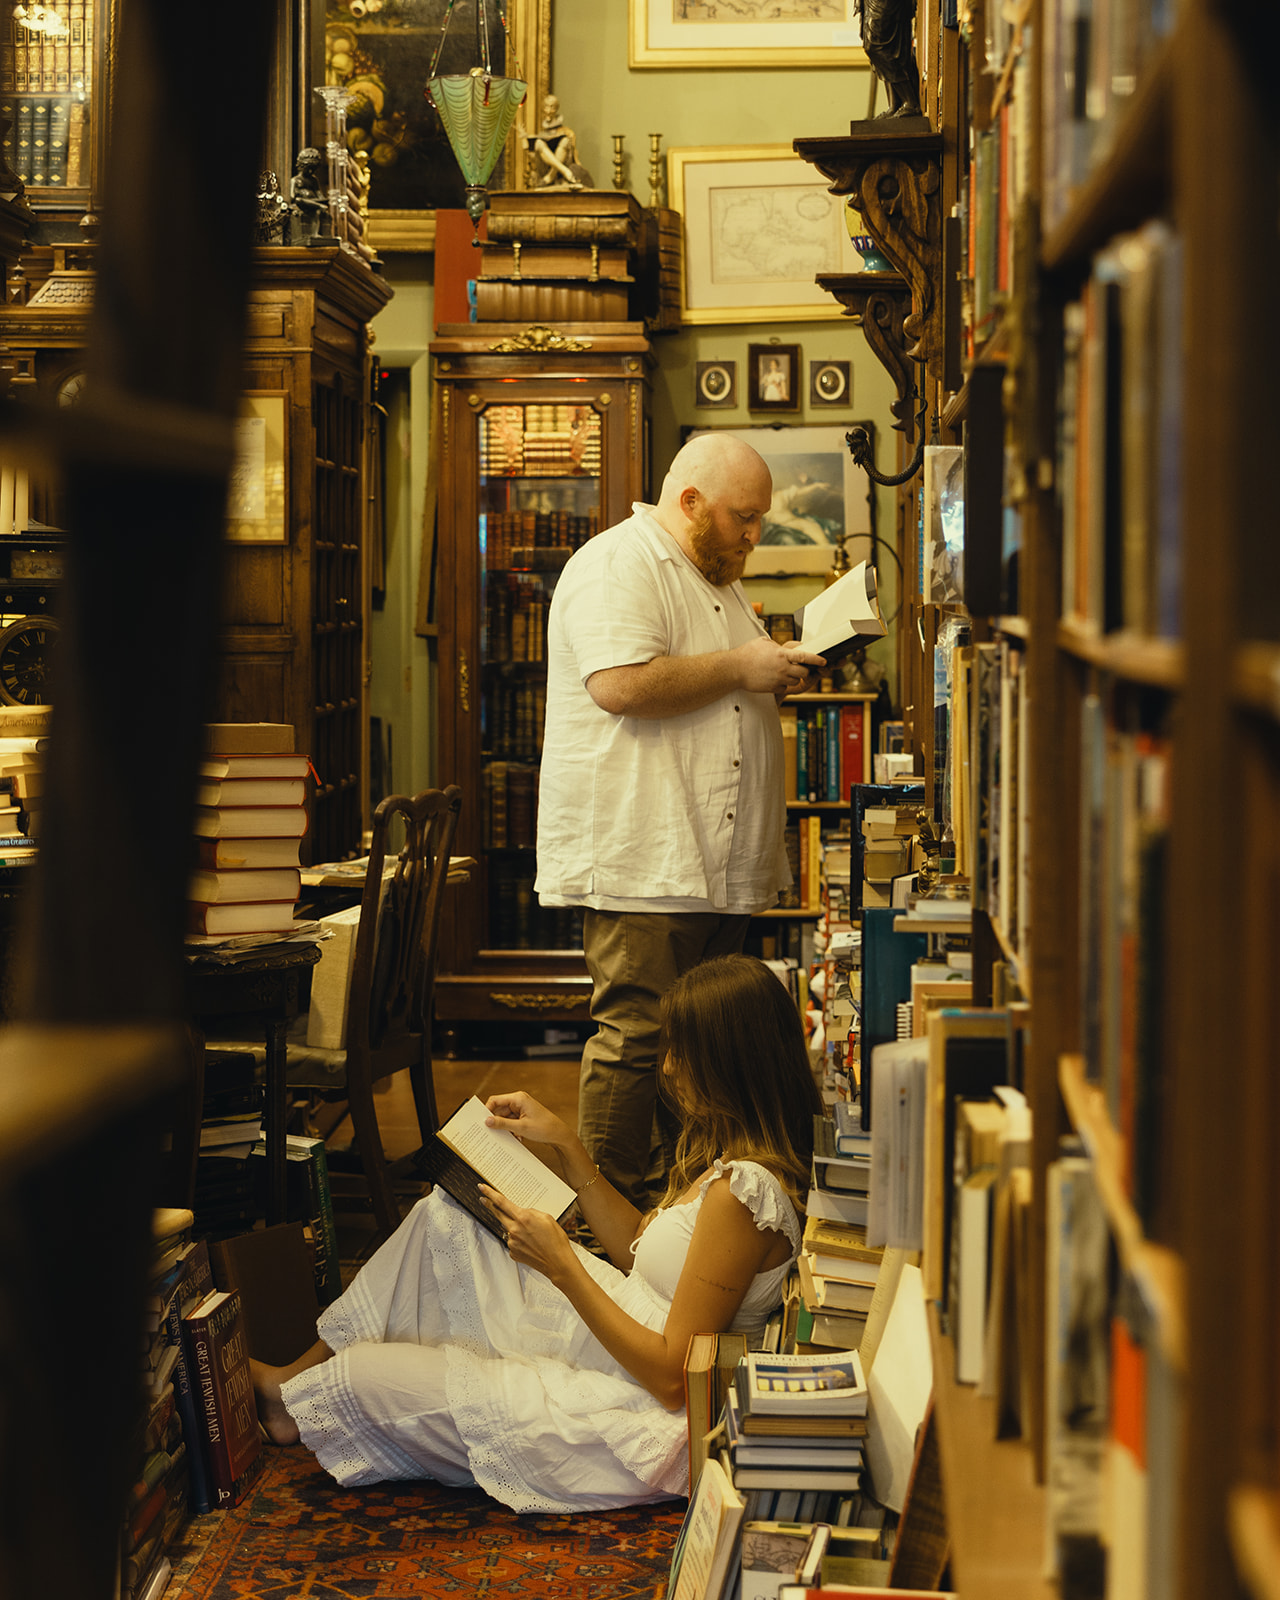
pixel 551 1378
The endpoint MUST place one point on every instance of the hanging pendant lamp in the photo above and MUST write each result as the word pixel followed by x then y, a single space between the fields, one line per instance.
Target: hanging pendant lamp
pixel 477 109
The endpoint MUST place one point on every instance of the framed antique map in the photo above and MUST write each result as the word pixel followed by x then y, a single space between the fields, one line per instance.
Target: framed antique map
pixel 745 33
pixel 758 229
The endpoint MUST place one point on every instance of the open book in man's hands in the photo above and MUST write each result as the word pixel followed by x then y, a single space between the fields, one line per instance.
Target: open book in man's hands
pixel 843 617
pixel 465 1153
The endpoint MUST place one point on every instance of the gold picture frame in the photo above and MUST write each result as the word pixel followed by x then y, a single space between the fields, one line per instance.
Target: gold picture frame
pixel 658 36
pixel 392 227
pixel 258 490
pixel 759 227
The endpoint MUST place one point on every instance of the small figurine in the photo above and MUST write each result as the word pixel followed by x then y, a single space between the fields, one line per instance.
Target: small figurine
pixel 889 41
pixel 557 148
pixel 273 212
pixel 309 198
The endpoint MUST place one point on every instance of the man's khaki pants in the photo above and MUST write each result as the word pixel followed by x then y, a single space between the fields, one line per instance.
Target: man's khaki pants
pixel 633 958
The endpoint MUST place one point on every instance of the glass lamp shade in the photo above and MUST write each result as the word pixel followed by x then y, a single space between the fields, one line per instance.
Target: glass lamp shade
pixel 477 110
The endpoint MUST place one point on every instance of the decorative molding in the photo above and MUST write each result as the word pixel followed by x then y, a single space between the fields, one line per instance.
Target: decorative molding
pixel 893 174
pixel 539 1002
pixel 878 302
pixel 539 338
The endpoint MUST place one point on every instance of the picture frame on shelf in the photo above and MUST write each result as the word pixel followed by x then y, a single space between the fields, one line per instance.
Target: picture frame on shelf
pixel 819 495
pixel 413 168
pixel 257 492
pixel 830 383
pixel 715 384
pixel 773 377
pixel 662 35
pixel 758 229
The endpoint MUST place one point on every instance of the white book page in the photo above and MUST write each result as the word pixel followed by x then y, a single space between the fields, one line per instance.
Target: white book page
pixel 503 1162
pixel 841 612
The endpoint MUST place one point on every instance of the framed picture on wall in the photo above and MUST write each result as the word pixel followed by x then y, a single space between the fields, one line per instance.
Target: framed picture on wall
pixel 773 377
pixel 758 229
pixel 819 495
pixel 383 57
pixel 715 383
pixel 830 383
pixel 744 33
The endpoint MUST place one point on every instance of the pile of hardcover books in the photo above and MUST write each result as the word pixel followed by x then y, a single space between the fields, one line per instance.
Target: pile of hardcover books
pixel 838 1268
pixel 162 1494
pixel 23 742
pixel 794 1432
pixel 251 815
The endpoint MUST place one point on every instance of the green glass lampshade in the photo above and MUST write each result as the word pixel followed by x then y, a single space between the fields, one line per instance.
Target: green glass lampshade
pixel 477 110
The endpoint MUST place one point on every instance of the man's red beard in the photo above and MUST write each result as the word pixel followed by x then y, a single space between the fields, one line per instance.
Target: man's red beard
pixel 719 567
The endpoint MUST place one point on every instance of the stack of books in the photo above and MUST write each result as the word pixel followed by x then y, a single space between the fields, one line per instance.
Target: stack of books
pixel 23 741
pixel 795 1427
pixel 251 814
pixel 160 1499
pixel 838 1269
pixel 231 1114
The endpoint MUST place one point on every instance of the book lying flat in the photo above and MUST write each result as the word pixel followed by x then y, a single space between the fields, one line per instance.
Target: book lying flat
pixel 465 1153
pixel 845 616
pixel 830 1382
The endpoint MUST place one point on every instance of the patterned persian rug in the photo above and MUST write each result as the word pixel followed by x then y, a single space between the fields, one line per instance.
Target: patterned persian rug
pixel 298 1534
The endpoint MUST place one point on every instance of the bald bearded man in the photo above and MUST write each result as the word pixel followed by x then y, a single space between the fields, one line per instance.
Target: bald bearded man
pixel 661 803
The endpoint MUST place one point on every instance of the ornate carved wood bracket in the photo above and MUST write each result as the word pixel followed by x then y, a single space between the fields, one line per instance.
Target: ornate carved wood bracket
pixel 893 173
pixel 878 302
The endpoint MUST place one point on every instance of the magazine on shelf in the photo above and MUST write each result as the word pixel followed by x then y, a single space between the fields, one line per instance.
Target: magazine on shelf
pixel 829 1383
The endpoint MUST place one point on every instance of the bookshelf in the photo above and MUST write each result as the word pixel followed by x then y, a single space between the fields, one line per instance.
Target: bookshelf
pixel 542 444
pixel 1135 582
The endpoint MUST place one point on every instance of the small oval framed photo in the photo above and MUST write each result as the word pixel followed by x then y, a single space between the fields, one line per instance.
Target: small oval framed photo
pixel 715 383
pixel 829 383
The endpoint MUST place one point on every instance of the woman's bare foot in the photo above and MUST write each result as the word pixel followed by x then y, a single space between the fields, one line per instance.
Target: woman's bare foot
pixel 278 1425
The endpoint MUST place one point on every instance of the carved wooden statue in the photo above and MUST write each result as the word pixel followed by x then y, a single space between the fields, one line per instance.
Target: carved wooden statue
pixel 890 45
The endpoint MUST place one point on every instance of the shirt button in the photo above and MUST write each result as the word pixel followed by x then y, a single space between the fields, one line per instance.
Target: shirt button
pixel 737 708
pixel 729 815
pixel 737 763
pixel 717 608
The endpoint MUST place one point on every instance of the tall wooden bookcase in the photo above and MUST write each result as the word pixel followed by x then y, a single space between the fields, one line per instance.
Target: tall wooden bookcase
pixel 1126 558
pixel 295 634
pixel 541 436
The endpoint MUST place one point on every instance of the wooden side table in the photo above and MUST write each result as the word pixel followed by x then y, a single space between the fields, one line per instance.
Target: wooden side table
pixel 262 991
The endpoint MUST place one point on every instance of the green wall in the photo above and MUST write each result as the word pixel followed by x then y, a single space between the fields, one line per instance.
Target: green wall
pixel 601 96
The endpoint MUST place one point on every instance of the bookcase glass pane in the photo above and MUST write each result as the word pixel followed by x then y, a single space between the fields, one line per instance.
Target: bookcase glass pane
pixel 47 90
pixel 539 501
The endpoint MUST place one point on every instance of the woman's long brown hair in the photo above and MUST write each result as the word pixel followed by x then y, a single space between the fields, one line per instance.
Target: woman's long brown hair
pixel 743 1082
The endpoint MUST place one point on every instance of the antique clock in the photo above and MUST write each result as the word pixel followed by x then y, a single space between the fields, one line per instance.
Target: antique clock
pixel 25 661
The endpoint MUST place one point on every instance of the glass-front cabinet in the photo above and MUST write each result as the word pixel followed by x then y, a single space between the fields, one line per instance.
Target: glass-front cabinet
pixel 542 441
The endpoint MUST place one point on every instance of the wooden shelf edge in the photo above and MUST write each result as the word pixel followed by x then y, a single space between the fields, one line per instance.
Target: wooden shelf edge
pixel 1158 1270
pixel 780 913
pixel 1142 659
pixel 1256 678
pixel 1015 627
pixel 1253 1525
pixel 834 696
pixel 910 924
pixel 995 1509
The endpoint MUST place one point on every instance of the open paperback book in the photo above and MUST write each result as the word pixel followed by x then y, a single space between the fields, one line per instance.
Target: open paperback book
pixel 465 1153
pixel 845 616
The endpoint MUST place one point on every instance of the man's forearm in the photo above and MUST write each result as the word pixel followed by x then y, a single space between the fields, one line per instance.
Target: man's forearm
pixel 665 686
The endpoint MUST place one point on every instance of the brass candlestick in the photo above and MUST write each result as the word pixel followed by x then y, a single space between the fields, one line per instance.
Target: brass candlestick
pixel 655 170
pixel 618 180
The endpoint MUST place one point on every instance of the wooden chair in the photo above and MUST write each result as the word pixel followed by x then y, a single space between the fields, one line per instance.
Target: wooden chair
pixel 392 981
pixel 393 968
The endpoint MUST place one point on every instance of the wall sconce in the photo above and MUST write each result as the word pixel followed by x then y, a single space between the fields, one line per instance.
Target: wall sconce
pixel 477 109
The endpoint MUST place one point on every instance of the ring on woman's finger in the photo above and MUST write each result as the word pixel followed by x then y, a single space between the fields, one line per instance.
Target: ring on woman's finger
pixel 506 1237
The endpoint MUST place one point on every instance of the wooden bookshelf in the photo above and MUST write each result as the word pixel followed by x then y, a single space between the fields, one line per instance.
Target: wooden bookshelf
pixel 1158 1269
pixel 1145 917
pixel 995 1508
